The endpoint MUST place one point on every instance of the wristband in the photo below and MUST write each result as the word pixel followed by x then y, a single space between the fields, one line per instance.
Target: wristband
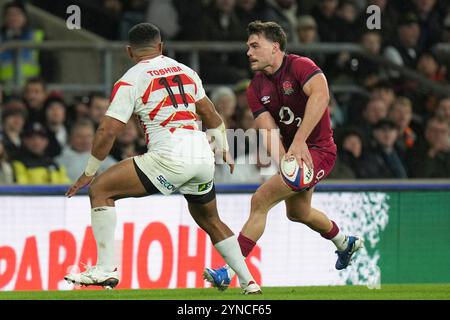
pixel 220 137
pixel 92 166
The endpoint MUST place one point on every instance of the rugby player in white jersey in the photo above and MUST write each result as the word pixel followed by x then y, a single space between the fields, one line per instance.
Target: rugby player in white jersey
pixel 168 97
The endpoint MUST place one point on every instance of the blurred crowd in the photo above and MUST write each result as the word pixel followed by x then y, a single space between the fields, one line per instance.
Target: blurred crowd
pixel 397 129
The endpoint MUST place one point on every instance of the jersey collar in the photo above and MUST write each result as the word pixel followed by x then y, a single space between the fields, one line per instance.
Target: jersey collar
pixel 277 72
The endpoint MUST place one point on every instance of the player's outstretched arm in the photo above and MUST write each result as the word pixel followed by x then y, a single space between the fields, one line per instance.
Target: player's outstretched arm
pixel 318 98
pixel 104 138
pixel 212 120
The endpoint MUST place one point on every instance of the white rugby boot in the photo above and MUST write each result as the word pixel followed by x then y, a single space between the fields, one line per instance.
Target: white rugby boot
pixel 94 276
pixel 252 288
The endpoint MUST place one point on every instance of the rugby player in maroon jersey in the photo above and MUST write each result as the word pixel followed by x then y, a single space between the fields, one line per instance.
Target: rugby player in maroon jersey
pixel 289 98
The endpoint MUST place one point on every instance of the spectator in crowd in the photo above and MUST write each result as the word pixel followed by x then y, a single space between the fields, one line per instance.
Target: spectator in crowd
pixel 15 27
pixel 98 104
pixel 307 34
pixel 245 122
pixel 383 90
pixel 79 109
pixel 6 170
pixel 240 90
pixel 55 123
pixel 375 110
pixel 13 122
pixel 387 161
pixel 111 11
pixel 350 153
pixel 430 18
pixel 224 100
pixel 307 30
pixel 188 18
pixel 75 156
pixel 445 57
pixel 337 115
pixel 368 72
pixel 325 14
pixel 34 95
pixel 443 109
pixel 162 13
pixel 126 144
pixel 220 23
pixel 250 10
pixel 283 12
pixel 114 7
pixel 32 165
pixel 435 162
pixel 401 113
pixel 359 68
pixel 446 29
pixel 134 13
pixel 429 66
pixel 405 51
pixel 347 14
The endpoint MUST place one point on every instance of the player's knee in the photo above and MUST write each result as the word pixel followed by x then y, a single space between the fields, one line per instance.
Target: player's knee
pixel 209 225
pixel 95 190
pixel 301 217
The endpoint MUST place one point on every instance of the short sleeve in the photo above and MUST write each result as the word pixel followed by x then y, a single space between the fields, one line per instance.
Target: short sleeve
pixel 253 102
pixel 199 91
pixel 122 101
pixel 305 69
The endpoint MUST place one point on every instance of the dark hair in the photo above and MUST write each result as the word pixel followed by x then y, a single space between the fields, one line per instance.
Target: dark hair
pixel 271 30
pixel 36 80
pixel 143 34
pixel 95 94
pixel 54 99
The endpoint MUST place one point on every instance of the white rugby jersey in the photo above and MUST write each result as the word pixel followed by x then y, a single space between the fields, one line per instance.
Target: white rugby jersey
pixel 162 93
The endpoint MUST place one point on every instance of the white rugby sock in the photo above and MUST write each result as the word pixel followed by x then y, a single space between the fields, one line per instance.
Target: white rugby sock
pixel 231 252
pixel 340 241
pixel 103 220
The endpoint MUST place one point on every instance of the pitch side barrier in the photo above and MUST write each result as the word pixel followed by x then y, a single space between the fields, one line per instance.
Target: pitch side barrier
pixel 44 235
pixel 325 186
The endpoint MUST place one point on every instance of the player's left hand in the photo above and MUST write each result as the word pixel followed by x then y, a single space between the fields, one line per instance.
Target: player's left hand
pixel 82 181
pixel 300 152
pixel 228 160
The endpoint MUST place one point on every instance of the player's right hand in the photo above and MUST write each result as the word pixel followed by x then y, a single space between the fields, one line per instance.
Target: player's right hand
pixel 82 181
pixel 228 160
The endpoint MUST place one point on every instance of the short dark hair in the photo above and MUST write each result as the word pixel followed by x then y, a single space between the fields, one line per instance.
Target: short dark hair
pixel 143 34
pixel 271 30
pixel 95 94
pixel 36 80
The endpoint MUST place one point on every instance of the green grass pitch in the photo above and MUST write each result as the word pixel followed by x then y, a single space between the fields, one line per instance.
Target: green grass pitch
pixel 387 292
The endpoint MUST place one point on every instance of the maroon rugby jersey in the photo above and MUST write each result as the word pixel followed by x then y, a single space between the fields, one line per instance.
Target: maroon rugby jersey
pixel 281 94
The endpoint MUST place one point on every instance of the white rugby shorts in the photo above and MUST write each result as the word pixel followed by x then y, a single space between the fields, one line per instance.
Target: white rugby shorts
pixel 168 176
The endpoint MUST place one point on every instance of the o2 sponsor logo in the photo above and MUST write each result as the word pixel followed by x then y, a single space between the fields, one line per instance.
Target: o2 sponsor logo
pixel 287 116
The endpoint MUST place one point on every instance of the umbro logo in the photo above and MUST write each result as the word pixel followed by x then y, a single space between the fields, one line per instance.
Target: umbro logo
pixel 265 99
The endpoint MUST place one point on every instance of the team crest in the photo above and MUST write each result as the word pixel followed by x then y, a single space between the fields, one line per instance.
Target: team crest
pixel 288 88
